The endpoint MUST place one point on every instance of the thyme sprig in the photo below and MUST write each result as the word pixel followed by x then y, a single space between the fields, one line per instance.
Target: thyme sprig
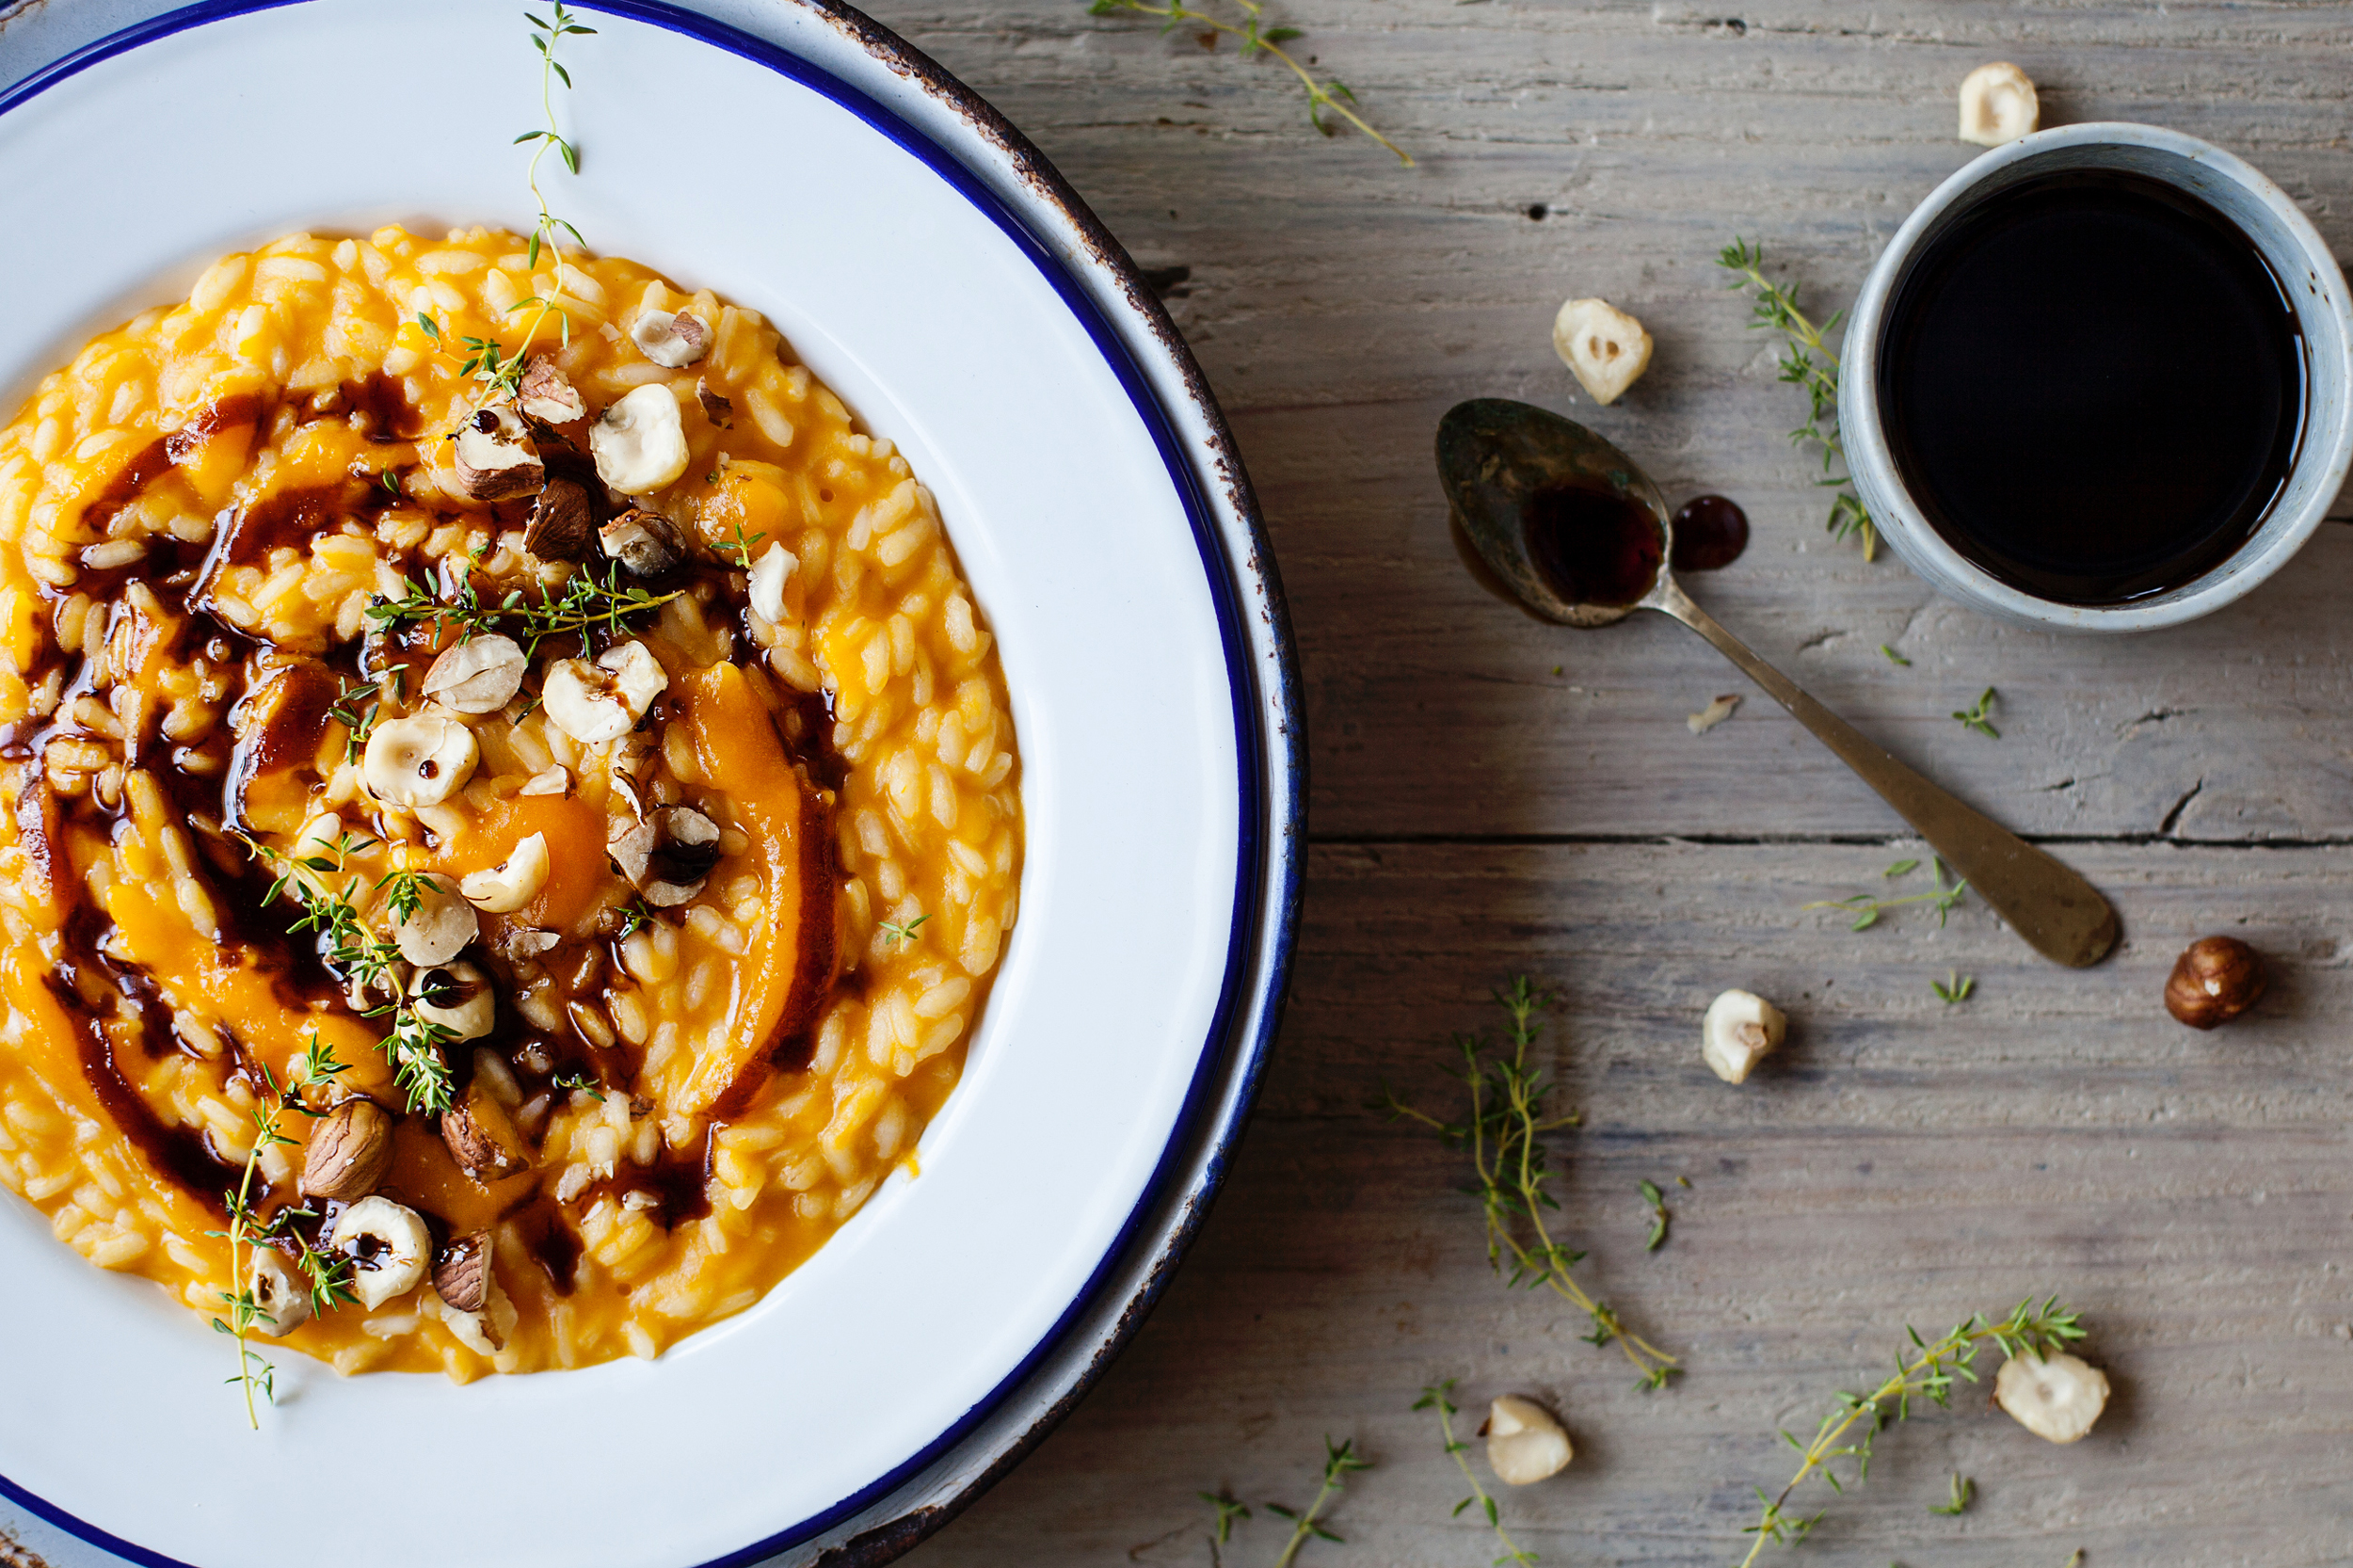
pixel 1928 1370
pixel 328 1279
pixel 895 933
pixel 586 605
pixel 1340 1460
pixel 1330 96
pixel 1661 1218
pixel 371 966
pixel 1964 1492
pixel 1867 908
pixel 1980 717
pixel 1504 1137
pixel 1438 1397
pixel 1807 361
pixel 1954 987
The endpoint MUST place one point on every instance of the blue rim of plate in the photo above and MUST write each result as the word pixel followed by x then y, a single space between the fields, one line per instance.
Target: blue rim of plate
pixel 1260 890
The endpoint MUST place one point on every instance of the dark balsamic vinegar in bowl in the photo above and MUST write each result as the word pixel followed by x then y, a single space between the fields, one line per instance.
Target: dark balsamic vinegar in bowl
pixel 2093 385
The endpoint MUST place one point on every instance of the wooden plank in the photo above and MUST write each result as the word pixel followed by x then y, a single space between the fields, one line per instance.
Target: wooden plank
pixel 1341 303
pixel 1901 1160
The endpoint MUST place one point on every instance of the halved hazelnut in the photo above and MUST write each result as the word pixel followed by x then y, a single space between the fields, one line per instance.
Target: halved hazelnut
pixel 481 1137
pixel 668 855
pixel 640 443
pixel 2057 1399
pixel 389 1247
pixel 1997 104
pixel 461 1272
pixel 1605 347
pixel 349 1151
pixel 478 676
pixel 495 458
pixel 647 544
pixel 603 701
pixel 547 394
pixel 769 575
pixel 438 928
pixel 1742 1029
pixel 560 525
pixel 717 409
pixel 671 340
pixel 549 780
pixel 419 760
pixel 456 997
pixel 1524 1443
pixel 280 1302
pixel 513 882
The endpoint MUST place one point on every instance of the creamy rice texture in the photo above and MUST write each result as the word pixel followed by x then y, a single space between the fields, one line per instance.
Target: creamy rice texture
pixel 235 536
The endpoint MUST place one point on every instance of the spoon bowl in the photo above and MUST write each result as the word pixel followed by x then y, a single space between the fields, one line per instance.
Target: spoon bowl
pixel 1572 529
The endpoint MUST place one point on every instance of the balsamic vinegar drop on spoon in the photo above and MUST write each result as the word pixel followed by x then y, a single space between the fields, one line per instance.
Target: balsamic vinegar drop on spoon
pixel 2093 385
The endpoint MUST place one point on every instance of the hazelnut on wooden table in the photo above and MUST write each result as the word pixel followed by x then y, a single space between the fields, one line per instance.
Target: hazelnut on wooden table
pixel 281 1301
pixel 351 1149
pixel 1997 104
pixel 2216 979
pixel 1606 348
pixel 480 675
pixel 2057 1399
pixel 1742 1029
pixel 671 341
pixel 1524 1443
pixel 495 459
pixel 389 1247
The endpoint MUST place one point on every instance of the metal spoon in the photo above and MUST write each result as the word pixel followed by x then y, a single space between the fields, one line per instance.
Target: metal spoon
pixel 1502 462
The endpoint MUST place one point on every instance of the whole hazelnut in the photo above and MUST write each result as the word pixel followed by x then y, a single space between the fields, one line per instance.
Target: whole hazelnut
pixel 2216 979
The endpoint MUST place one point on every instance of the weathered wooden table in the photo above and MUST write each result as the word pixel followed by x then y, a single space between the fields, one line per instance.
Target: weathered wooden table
pixel 1491 796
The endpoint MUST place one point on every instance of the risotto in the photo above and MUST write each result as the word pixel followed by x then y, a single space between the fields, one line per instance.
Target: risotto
pixel 512 802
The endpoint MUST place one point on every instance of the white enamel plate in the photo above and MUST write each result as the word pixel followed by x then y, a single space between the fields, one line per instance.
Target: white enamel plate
pixel 923 261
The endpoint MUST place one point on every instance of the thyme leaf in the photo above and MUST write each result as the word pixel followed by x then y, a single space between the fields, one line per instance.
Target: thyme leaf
pixel 1807 361
pixel 1438 1397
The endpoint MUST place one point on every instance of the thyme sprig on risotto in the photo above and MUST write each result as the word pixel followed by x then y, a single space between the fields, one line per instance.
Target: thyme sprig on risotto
pixel 1504 1136
pixel 328 1279
pixel 1808 361
pixel 898 932
pixel 1927 1371
pixel 1437 1397
pixel 369 964
pixel 586 606
pixel 1323 97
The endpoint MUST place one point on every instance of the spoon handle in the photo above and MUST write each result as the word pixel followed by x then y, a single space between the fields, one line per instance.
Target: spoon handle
pixel 2061 914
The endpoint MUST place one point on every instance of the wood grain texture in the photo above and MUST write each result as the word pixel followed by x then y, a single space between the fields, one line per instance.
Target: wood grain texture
pixel 1476 813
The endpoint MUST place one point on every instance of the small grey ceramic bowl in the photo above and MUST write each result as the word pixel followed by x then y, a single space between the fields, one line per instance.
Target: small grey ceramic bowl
pixel 2295 253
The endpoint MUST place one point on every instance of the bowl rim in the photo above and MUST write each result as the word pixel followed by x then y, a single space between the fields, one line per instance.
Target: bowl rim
pixel 2328 448
pixel 918 105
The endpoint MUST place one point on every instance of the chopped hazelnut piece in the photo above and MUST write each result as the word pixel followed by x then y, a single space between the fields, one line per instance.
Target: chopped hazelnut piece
pixel 1997 104
pixel 603 701
pixel 547 394
pixel 351 1149
pixel 1742 1029
pixel 560 526
pixel 481 1137
pixel 647 544
pixel 280 1303
pixel 419 760
pixel 495 458
pixel 438 928
pixel 1525 1444
pixel 717 409
pixel 1606 348
pixel 769 574
pixel 389 1245
pixel 668 855
pixel 2057 1399
pixel 671 341
pixel 514 882
pixel 456 997
pixel 461 1272
pixel 480 675
pixel 549 780
pixel 640 443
